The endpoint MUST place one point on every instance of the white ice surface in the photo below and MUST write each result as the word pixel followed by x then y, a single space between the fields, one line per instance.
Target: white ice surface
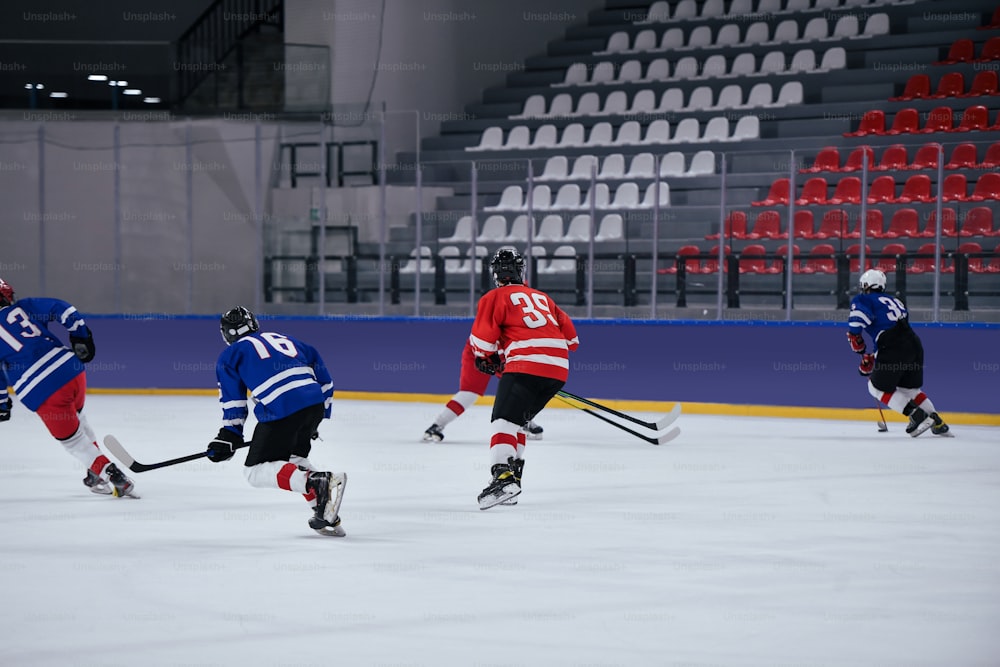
pixel 745 542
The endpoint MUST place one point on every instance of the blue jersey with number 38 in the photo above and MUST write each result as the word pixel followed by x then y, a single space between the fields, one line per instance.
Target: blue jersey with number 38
pixel 283 375
pixel 875 312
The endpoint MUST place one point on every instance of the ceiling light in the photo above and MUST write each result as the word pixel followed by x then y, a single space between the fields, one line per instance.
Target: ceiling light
pixel 132 91
pixel 97 77
pixel 151 100
pixel 55 94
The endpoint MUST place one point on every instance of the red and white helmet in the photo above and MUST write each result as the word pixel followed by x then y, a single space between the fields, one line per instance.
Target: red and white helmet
pixel 6 294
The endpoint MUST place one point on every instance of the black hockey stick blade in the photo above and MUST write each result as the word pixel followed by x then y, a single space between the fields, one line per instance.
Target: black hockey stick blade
pixel 658 425
pixel 116 448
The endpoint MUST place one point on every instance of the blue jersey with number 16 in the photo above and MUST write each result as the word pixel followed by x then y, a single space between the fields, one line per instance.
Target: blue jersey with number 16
pixel 875 312
pixel 284 375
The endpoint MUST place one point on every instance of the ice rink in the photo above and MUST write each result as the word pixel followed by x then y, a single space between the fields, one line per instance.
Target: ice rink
pixel 745 542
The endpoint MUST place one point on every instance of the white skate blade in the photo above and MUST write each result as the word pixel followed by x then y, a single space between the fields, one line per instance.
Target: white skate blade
pixel 508 492
pixel 924 425
pixel 331 531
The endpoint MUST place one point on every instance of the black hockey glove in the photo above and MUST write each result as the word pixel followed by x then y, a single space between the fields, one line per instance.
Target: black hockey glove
pixel 857 342
pixel 83 348
pixel 5 407
pixel 490 365
pixel 867 364
pixel 222 448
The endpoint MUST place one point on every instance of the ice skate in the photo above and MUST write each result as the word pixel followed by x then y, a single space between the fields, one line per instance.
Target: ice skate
pixel 97 485
pixel 121 485
pixel 939 427
pixel 433 434
pixel 532 431
pixel 329 490
pixel 503 487
pixel 517 466
pixel 920 421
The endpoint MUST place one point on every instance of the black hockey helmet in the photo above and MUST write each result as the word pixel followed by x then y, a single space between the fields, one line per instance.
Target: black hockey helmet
pixel 6 294
pixel 508 266
pixel 236 323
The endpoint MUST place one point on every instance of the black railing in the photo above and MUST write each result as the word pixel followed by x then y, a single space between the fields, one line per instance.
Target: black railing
pixel 204 46
pixel 333 155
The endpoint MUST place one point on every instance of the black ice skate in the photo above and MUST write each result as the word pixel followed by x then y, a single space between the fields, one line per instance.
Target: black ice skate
pixel 517 466
pixel 503 487
pixel 939 427
pixel 121 485
pixel 920 421
pixel 97 485
pixel 532 431
pixel 329 490
pixel 433 433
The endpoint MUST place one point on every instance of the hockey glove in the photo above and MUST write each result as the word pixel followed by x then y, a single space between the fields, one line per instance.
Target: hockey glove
pixel 83 348
pixel 857 342
pixel 867 364
pixel 490 365
pixel 5 407
pixel 222 448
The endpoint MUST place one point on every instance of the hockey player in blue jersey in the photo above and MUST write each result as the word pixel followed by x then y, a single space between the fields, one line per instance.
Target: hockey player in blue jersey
pixel 49 379
pixel 895 367
pixel 292 393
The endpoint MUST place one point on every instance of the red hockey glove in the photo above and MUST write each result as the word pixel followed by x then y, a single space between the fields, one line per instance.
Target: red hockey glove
pixel 857 342
pixel 490 365
pixel 867 364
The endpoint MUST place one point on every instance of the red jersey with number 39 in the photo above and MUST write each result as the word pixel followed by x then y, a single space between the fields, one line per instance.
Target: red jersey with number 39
pixel 527 328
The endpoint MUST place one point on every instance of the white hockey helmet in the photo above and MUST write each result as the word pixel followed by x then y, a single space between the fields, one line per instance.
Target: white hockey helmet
pixel 872 279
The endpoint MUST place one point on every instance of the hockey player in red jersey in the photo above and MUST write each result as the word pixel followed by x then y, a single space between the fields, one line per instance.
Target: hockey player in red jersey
pixel 471 385
pixel 49 379
pixel 518 330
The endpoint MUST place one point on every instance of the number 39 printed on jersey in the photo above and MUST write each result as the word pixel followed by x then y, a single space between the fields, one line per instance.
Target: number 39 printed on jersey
pixel 535 308
pixel 895 308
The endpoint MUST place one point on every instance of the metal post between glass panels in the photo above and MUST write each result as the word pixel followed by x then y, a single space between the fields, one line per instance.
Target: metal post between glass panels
pixel 474 208
pixel 938 204
pixel 722 238
pixel 655 249
pixel 790 248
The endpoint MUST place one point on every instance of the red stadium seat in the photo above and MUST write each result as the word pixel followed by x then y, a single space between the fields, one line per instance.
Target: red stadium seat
pixel 905 223
pixel 874 225
pixel 802 226
pixel 711 264
pixel 918 87
pixel 906 121
pixel 691 265
pixel 994 265
pixel 961 51
pixel 872 122
pixel 820 260
pixel 854 158
pixel 916 189
pixel 782 253
pixel 752 259
pixel 813 192
pixel 994 22
pixel 948 229
pixel 987 187
pixel 984 83
pixel 951 84
pixel 854 254
pixel 962 157
pixel 777 196
pixel 975 263
pixel 893 157
pixel 834 225
pixel 926 157
pixel 848 191
pixel 978 222
pixel 887 263
pixel 924 264
pixel 974 118
pixel 882 189
pixel 827 159
pixel 991 50
pixel 735 226
pixel 940 119
pixel 767 225
pixel 956 188
pixel 992 157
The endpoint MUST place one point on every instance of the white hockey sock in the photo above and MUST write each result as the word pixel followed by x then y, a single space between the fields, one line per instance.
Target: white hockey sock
pixel 458 404
pixel 80 447
pixel 301 461
pixel 276 475
pixel 897 399
pixel 522 438
pixel 503 444
pixel 85 425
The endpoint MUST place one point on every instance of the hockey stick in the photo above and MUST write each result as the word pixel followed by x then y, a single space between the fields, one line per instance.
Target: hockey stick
pixel 664 422
pixel 882 426
pixel 661 439
pixel 115 447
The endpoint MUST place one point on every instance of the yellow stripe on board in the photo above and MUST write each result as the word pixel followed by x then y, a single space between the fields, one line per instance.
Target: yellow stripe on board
pixel 851 414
